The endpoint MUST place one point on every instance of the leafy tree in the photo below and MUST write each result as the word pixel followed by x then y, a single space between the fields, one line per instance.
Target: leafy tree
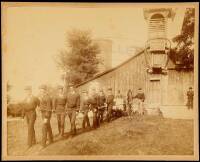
pixel 184 49
pixel 80 59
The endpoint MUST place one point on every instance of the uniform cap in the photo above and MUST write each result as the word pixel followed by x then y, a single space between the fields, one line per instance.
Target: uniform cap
pixel 60 87
pixel 27 88
pixel 140 89
pixel 70 85
pixel 43 87
pixel 190 87
pixel 84 91
pixel 110 89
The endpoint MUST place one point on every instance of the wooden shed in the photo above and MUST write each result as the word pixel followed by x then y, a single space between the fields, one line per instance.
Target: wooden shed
pixel 166 91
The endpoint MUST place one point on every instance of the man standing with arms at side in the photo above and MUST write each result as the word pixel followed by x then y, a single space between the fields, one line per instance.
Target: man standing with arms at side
pixel 94 106
pixel 59 103
pixel 102 105
pixel 30 104
pixel 190 95
pixel 109 102
pixel 72 106
pixel 46 110
pixel 85 108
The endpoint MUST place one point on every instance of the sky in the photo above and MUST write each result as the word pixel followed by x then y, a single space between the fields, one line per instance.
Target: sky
pixel 35 35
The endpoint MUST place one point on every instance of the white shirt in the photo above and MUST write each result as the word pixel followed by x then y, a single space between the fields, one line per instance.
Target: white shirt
pixel 28 98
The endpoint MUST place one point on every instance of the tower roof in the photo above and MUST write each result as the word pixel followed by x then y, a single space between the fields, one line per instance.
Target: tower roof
pixel 169 12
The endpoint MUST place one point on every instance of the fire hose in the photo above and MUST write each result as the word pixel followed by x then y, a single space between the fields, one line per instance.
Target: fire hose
pixel 66 111
pixel 77 110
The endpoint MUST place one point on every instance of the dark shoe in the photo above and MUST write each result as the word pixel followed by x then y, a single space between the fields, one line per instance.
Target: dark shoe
pixel 41 147
pixel 71 136
pixel 34 142
pixel 60 136
pixel 50 142
pixel 73 133
pixel 28 147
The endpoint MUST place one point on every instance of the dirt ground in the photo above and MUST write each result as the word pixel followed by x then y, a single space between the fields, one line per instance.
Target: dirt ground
pixel 147 135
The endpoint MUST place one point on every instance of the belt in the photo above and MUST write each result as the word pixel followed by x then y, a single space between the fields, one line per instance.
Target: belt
pixel 30 111
pixel 43 105
pixel 60 104
pixel 60 113
pixel 72 109
pixel 45 109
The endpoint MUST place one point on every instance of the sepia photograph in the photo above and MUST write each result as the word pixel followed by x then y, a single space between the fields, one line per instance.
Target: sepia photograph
pixel 102 81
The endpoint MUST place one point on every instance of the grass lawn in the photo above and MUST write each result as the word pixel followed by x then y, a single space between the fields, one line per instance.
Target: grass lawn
pixel 148 135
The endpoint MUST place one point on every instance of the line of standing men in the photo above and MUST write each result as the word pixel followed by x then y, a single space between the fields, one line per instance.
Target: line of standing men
pixel 62 104
pixel 98 103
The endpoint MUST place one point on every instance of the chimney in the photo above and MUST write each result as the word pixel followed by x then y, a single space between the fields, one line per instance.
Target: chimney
pixel 105 55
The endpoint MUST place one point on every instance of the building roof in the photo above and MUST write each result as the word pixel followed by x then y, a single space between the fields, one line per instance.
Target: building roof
pixel 171 66
pixel 112 69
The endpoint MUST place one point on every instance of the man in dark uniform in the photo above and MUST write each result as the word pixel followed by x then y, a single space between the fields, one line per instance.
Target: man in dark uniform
pixel 129 102
pixel 30 104
pixel 72 107
pixel 46 110
pixel 190 95
pixel 102 105
pixel 59 104
pixel 85 109
pixel 94 107
pixel 109 102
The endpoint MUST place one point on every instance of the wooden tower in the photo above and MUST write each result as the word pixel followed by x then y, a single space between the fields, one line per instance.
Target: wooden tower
pixel 157 46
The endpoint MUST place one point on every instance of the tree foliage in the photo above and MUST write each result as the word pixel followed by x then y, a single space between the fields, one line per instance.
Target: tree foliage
pixel 80 59
pixel 184 49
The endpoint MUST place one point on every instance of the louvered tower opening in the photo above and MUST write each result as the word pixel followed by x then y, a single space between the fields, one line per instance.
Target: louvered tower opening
pixel 157 26
pixel 157 29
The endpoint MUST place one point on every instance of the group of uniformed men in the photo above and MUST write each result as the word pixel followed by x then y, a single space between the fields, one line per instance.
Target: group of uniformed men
pixel 63 104
pixel 72 103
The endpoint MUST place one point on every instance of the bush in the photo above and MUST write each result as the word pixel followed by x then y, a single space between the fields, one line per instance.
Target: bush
pixel 15 110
